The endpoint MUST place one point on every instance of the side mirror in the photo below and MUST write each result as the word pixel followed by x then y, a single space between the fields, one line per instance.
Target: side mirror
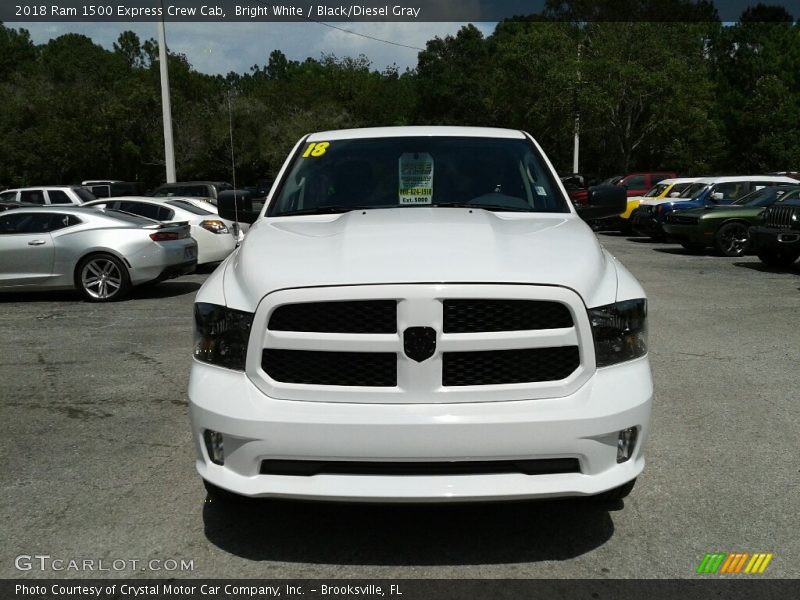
pixel 238 205
pixel 674 194
pixel 717 196
pixel 604 201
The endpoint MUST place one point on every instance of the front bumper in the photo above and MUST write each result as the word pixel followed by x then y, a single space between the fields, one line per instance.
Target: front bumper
pixel 771 238
pixel 690 234
pixel 645 224
pixel 584 426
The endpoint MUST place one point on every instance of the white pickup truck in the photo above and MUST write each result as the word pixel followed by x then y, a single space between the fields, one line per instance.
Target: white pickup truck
pixel 418 314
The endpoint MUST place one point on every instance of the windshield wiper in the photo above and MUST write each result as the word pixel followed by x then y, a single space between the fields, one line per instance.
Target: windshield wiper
pixel 322 210
pixel 479 206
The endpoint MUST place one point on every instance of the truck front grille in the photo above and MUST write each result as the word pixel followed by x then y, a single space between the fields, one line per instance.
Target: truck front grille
pixel 779 216
pixel 497 367
pixel 482 315
pixel 360 316
pixel 360 369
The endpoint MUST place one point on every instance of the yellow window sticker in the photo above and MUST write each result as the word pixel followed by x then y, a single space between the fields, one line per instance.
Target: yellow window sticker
pixel 416 178
pixel 316 149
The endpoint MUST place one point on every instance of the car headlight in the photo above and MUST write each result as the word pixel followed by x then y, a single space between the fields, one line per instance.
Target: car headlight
pixel 620 331
pixel 214 226
pixel 221 335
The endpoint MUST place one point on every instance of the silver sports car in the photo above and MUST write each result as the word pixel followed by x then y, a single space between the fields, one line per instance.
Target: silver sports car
pixel 102 254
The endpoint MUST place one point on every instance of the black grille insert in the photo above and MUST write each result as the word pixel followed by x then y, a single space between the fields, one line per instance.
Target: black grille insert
pixel 362 369
pixel 474 316
pixel 308 468
pixel 360 316
pixel 780 216
pixel 497 367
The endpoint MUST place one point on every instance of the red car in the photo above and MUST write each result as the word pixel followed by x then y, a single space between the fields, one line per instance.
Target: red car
pixel 638 184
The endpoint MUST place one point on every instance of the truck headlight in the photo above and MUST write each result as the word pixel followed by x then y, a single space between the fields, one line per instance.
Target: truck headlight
pixel 620 331
pixel 221 335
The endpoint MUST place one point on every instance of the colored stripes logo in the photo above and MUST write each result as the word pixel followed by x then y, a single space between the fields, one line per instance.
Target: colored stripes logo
pixel 735 562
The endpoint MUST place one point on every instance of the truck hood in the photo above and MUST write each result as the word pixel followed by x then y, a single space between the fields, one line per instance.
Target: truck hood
pixel 418 245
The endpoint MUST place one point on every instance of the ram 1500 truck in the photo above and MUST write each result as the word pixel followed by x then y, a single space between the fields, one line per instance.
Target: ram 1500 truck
pixel 418 314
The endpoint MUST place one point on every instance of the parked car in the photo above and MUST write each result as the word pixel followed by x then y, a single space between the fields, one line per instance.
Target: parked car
pixel 725 227
pixel 419 314
pixel 637 184
pixel 215 236
pixel 193 189
pixel 51 194
pixel 577 186
pixel 239 229
pixel 648 219
pixel 668 188
pixel 776 239
pixel 101 254
pixel 111 189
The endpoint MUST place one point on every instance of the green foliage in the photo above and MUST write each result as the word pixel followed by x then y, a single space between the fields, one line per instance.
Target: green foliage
pixel 697 97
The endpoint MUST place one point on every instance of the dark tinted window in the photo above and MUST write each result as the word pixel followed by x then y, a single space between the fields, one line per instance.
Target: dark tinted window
pixel 197 191
pixel 58 197
pixel 84 195
pixel 32 196
pixel 8 196
pixel 35 222
pixel 144 209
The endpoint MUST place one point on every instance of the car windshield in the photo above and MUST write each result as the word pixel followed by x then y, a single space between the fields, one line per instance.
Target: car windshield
pixel 693 190
pixel 407 172
pixel 656 190
pixel 189 207
pixel 84 194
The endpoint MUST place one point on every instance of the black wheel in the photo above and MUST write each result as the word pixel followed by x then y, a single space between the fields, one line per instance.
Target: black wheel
pixel 216 494
pixel 693 248
pixel 617 493
pixel 732 239
pixel 102 278
pixel 626 227
pixel 778 258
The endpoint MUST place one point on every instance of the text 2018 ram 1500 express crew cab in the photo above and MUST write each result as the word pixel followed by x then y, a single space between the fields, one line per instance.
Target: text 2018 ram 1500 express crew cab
pixel 418 314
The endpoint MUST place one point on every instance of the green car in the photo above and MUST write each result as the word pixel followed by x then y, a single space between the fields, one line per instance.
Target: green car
pixel 724 227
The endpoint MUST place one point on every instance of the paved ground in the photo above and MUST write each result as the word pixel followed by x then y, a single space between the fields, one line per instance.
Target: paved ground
pixel 97 460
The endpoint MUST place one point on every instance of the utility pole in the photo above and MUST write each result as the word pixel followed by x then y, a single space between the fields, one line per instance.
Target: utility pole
pixel 166 106
pixel 577 142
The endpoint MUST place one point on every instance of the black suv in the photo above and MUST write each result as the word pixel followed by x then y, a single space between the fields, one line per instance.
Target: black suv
pixel 777 239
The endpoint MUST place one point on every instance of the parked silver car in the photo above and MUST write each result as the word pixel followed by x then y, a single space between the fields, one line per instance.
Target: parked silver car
pixel 101 254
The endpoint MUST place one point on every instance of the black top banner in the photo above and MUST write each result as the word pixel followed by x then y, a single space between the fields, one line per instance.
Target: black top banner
pixel 381 10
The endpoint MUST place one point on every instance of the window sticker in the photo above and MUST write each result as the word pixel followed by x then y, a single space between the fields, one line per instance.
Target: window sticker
pixel 540 191
pixel 416 178
pixel 316 150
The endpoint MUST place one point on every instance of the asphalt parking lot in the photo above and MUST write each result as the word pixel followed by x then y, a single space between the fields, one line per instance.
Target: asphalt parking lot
pixel 98 461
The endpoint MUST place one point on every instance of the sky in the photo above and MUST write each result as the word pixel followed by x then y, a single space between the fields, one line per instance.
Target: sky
pixel 218 48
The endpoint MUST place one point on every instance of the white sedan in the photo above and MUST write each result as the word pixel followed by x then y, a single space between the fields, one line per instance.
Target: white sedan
pixel 215 236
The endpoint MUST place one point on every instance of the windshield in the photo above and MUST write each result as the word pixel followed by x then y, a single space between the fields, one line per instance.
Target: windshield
pixel 764 197
pixel 656 190
pixel 84 195
pixel 407 172
pixel 693 190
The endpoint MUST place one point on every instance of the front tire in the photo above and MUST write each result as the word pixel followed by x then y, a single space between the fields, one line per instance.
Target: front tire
pixel 102 278
pixel 732 239
pixel 778 258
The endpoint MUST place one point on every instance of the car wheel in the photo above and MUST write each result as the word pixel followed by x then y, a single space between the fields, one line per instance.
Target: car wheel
pixel 616 494
pixel 626 227
pixel 102 278
pixel 778 258
pixel 732 239
pixel 694 248
pixel 221 495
